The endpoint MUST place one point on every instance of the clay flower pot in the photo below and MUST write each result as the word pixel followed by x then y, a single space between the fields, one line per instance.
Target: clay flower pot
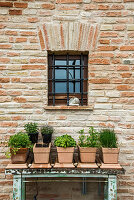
pixel 20 156
pixel 87 154
pixel 110 155
pixel 65 155
pixel 41 153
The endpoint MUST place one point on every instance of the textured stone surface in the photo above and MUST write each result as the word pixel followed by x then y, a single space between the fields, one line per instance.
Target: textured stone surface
pixel 105 29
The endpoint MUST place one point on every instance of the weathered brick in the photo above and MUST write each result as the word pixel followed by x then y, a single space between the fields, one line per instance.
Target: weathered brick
pixel 68 1
pixel 127 94
pixel 48 6
pixel 20 99
pixel 15 12
pixel 107 48
pixel 3 93
pixel 100 81
pixel 9 32
pixel 4 80
pixel 6 4
pixel 7 124
pixel 127 48
pixel 37 60
pixel 21 39
pixel 32 80
pixel 4 60
pixel 103 7
pixel 128 1
pixel 34 67
pixel 33 19
pixel 126 75
pixel 123 87
pixel 99 61
pixel 28 33
pixel 123 68
pixel 108 34
pixel 104 41
pixel 20 5
pixel 5 46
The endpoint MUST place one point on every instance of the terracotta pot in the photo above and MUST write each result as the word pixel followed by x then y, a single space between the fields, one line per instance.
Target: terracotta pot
pixel 20 157
pixel 41 153
pixel 87 154
pixel 110 155
pixel 65 155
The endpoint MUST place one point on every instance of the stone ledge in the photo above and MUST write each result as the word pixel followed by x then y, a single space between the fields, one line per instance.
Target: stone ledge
pixel 90 107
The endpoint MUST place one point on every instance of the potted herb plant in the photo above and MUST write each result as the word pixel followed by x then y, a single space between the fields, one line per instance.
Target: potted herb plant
pixel 46 132
pixel 32 130
pixel 19 147
pixel 108 141
pixel 88 143
pixel 65 147
pixel 41 153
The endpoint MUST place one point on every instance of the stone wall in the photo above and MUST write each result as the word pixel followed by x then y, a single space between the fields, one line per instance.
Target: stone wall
pixel 104 28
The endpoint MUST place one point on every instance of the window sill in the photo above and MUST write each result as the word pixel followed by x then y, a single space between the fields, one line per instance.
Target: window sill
pixel 90 107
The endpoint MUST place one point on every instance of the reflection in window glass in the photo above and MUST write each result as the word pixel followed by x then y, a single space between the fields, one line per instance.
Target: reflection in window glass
pixel 60 62
pixel 74 62
pixel 73 72
pixel 76 85
pixel 60 74
pixel 60 87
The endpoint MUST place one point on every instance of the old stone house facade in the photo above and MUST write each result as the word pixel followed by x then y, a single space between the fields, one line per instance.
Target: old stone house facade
pixel 103 29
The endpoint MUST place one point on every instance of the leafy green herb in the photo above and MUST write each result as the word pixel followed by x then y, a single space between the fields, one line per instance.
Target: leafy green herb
pixel 108 138
pixel 46 130
pixel 90 139
pixel 17 141
pixel 65 141
pixel 31 128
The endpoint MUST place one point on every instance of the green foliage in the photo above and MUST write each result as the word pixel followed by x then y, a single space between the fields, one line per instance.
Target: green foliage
pixel 47 130
pixel 31 128
pixel 17 141
pixel 90 139
pixel 108 138
pixel 65 141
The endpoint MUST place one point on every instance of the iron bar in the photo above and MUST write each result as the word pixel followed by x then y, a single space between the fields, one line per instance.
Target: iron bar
pixel 53 80
pixel 82 58
pixel 67 80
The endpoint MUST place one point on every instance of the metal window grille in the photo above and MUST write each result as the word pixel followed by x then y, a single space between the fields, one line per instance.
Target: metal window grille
pixel 67 78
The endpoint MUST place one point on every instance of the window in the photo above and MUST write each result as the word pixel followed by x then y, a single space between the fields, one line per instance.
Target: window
pixel 67 78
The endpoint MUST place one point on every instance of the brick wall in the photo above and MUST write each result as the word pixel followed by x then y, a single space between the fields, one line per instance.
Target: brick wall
pixel 105 28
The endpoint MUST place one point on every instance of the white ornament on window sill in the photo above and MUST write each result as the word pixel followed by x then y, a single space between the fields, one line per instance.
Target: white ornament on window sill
pixel 74 102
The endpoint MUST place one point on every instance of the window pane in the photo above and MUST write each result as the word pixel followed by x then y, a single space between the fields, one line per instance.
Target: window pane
pixel 77 87
pixel 60 87
pixel 71 74
pixel 60 62
pixel 71 87
pixel 77 74
pixel 60 74
pixel 74 62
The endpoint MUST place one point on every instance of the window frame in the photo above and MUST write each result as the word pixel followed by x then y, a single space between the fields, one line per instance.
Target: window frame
pixel 54 97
